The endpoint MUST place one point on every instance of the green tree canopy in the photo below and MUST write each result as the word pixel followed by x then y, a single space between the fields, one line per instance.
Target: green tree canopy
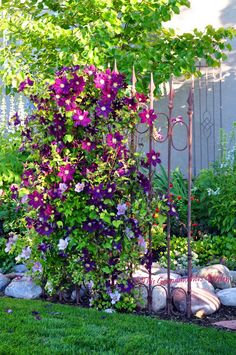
pixel 43 35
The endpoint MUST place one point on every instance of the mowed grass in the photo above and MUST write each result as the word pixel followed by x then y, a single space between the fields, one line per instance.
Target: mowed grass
pixel 36 327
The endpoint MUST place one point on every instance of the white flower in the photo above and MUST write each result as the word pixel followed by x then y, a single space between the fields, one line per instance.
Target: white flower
pixel 24 199
pixel 79 187
pixel 62 187
pixel 63 243
pixel 11 241
pixel 26 252
pixel 115 297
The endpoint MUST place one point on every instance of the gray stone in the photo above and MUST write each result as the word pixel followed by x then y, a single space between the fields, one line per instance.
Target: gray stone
pixel 21 268
pixel 158 298
pixel 4 281
pixel 227 296
pixel 196 282
pixel 202 301
pixel 23 288
pixel 218 275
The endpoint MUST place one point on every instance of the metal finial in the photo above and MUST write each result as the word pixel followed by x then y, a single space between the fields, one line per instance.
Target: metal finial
pixel 151 90
pixel 133 82
pixel 115 67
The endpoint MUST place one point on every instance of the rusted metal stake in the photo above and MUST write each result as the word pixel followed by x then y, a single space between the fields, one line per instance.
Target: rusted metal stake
pixel 190 117
pixel 169 135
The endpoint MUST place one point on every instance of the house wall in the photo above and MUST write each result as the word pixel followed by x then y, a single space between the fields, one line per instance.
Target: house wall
pixel 209 116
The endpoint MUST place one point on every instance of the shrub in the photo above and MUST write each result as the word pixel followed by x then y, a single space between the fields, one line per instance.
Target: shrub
pixel 207 250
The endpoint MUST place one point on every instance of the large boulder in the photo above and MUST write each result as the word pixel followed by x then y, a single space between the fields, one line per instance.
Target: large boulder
pixel 23 288
pixel 4 281
pixel 227 296
pixel 157 279
pixel 196 282
pixel 158 298
pixel 202 301
pixel 218 275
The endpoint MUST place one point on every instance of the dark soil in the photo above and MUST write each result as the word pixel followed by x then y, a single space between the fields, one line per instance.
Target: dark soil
pixel 223 314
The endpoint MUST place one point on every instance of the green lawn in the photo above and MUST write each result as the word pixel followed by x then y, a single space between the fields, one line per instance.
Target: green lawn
pixel 36 327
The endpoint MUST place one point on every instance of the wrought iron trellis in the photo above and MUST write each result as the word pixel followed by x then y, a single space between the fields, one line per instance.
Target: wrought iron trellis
pixel 151 130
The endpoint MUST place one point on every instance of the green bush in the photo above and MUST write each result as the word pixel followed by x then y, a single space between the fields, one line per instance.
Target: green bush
pixel 206 251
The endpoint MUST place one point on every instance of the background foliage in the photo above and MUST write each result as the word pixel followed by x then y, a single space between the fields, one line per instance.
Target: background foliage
pixel 44 35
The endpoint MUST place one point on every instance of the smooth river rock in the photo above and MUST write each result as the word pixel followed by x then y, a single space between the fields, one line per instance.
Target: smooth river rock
pixel 227 296
pixel 218 275
pixel 201 300
pixel 23 288
pixel 4 281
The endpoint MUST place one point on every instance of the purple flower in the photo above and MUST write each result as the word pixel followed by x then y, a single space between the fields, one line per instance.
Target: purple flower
pixel 114 140
pixel 88 145
pixel 35 199
pixel 90 70
pixel 109 190
pixel 103 109
pixel 27 177
pixel 25 254
pixel 130 103
pixel 129 233
pixel 43 247
pixel 81 118
pixel 61 86
pixel 153 158
pixel 141 97
pixel 147 116
pixel 77 84
pixel 100 80
pixel 97 192
pixel 121 209
pixel 44 229
pixel 66 173
pixel 37 267
pixel 24 84
pixel 144 182
pixel 142 244
pixel 69 103
pixel 92 225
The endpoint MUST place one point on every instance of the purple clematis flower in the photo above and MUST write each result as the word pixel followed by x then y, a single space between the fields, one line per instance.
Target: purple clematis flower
pixel 37 267
pixel 153 158
pixel 81 118
pixel 35 199
pixel 44 229
pixel 147 116
pixel 109 191
pixel 121 209
pixel 61 86
pixel 103 109
pixel 92 225
pixel 66 173
pixel 77 84
pixel 114 140
pixel 88 145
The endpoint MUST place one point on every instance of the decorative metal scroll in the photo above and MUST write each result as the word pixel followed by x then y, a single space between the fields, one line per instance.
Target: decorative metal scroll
pixel 153 137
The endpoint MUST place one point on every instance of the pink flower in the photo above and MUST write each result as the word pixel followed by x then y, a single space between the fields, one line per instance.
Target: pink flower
pixel 81 118
pixel 147 116
pixel 66 173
